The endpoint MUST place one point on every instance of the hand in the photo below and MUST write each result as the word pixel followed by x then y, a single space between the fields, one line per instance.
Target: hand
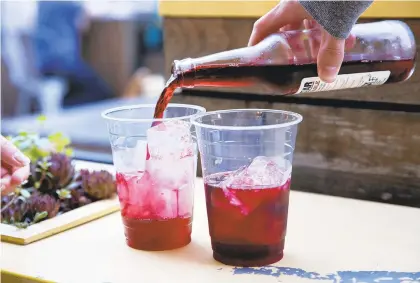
pixel 14 167
pixel 290 15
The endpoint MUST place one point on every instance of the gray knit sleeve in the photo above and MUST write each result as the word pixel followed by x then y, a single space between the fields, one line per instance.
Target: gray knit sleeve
pixel 336 17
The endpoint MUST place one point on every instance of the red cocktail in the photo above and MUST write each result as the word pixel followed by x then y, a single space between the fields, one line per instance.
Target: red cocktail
pixel 246 155
pixel 156 164
pixel 155 217
pixel 247 225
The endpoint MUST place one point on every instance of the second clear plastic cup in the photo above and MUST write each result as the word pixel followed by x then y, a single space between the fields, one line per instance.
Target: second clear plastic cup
pixel 156 168
pixel 246 157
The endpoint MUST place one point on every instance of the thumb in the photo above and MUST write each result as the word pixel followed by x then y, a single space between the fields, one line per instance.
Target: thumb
pixel 330 57
pixel 11 155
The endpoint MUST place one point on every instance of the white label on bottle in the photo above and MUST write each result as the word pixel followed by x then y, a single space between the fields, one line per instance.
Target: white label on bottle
pixel 314 84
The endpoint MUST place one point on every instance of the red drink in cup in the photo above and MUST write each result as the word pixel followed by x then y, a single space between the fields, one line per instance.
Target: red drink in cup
pixel 154 218
pixel 246 156
pixel 251 229
pixel 248 220
pixel 156 163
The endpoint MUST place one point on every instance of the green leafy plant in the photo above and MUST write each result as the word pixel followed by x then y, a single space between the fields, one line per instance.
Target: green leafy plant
pixel 54 187
pixel 35 147
pixel 63 194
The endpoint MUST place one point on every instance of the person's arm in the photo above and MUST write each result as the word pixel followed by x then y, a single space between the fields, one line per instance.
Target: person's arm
pixel 336 17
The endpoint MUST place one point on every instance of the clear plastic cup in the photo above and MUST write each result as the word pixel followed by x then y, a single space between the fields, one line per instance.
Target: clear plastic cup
pixel 156 167
pixel 246 158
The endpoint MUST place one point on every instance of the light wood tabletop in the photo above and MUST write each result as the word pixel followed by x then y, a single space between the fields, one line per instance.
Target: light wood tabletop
pixel 329 239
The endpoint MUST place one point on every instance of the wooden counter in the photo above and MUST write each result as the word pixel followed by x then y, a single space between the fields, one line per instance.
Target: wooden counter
pixel 329 239
pixel 359 143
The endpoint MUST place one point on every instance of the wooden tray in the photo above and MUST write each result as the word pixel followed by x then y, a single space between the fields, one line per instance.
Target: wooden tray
pixel 65 221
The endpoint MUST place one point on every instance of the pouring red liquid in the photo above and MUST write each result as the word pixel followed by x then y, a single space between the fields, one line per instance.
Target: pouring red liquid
pixel 282 64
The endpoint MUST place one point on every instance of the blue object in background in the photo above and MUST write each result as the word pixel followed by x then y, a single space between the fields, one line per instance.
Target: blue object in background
pixel 56 37
pixel 153 35
pixel 57 49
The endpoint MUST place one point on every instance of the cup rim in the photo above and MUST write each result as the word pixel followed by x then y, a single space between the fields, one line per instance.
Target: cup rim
pixel 194 119
pixel 105 113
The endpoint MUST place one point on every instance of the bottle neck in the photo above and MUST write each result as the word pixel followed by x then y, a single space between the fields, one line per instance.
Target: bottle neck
pixel 182 69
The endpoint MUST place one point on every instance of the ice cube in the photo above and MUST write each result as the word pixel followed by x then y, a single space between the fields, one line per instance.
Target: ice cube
pixel 227 200
pixel 140 195
pixel 122 188
pixel 262 171
pixel 170 173
pixel 130 194
pixel 144 197
pixel 170 140
pixel 165 204
pixel 175 180
pixel 265 172
pixel 172 152
pixel 129 157
pixel 185 196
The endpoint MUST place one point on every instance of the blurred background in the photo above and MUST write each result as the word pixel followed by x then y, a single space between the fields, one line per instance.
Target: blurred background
pixel 60 54
pixel 61 58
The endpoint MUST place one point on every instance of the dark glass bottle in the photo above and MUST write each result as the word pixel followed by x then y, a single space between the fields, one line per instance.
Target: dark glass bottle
pixel 285 63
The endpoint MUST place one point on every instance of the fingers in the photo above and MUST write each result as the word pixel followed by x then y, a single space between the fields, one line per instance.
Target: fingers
pixel 11 155
pixel 10 181
pixel 20 175
pixel 315 38
pixel 4 172
pixel 330 57
pixel 285 13
pixel 266 25
pixel 6 187
pixel 289 15
pixel 14 166
pixel 294 26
